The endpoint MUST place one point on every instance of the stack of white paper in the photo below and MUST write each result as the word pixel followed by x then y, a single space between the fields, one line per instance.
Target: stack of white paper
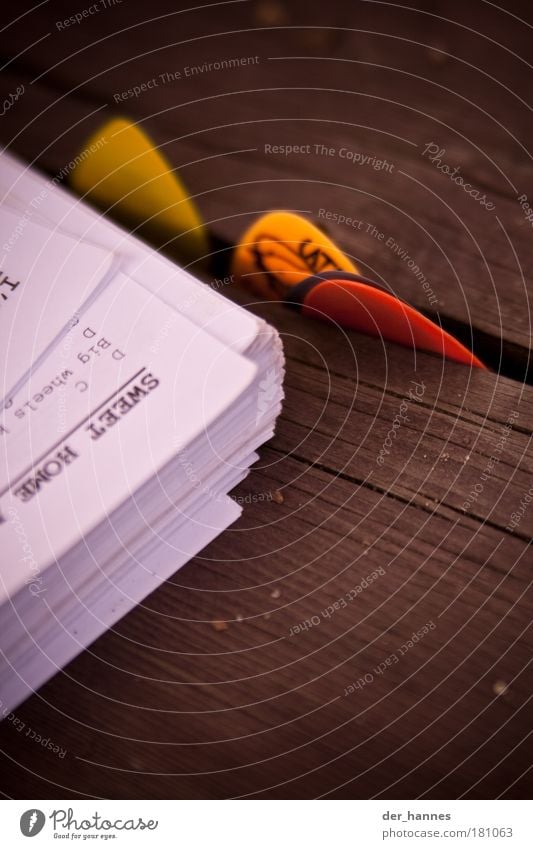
pixel 133 398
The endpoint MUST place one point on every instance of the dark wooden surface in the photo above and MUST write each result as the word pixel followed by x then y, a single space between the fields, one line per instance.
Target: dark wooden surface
pixel 166 705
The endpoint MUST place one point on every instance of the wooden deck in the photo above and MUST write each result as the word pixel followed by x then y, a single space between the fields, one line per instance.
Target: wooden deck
pixel 312 688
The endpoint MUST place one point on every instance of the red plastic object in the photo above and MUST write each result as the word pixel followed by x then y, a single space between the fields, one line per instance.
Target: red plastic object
pixel 356 303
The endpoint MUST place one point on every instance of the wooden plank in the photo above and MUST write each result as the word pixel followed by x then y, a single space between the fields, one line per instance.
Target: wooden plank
pixel 444 51
pixel 419 429
pixel 166 705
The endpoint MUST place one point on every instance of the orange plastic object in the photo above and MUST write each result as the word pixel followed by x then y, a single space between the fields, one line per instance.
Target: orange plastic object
pixel 280 250
pixel 359 304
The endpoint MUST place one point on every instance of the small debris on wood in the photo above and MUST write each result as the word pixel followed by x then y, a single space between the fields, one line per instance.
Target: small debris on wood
pixel 500 688
pixel 219 625
pixel 270 13
pixel 437 54
pixel 277 496
pixel 275 593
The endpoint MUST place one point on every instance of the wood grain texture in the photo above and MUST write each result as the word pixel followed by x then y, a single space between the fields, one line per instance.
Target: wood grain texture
pixel 338 558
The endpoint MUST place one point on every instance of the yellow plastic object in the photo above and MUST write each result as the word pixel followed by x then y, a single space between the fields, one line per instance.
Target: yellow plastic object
pixel 280 250
pixel 122 171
